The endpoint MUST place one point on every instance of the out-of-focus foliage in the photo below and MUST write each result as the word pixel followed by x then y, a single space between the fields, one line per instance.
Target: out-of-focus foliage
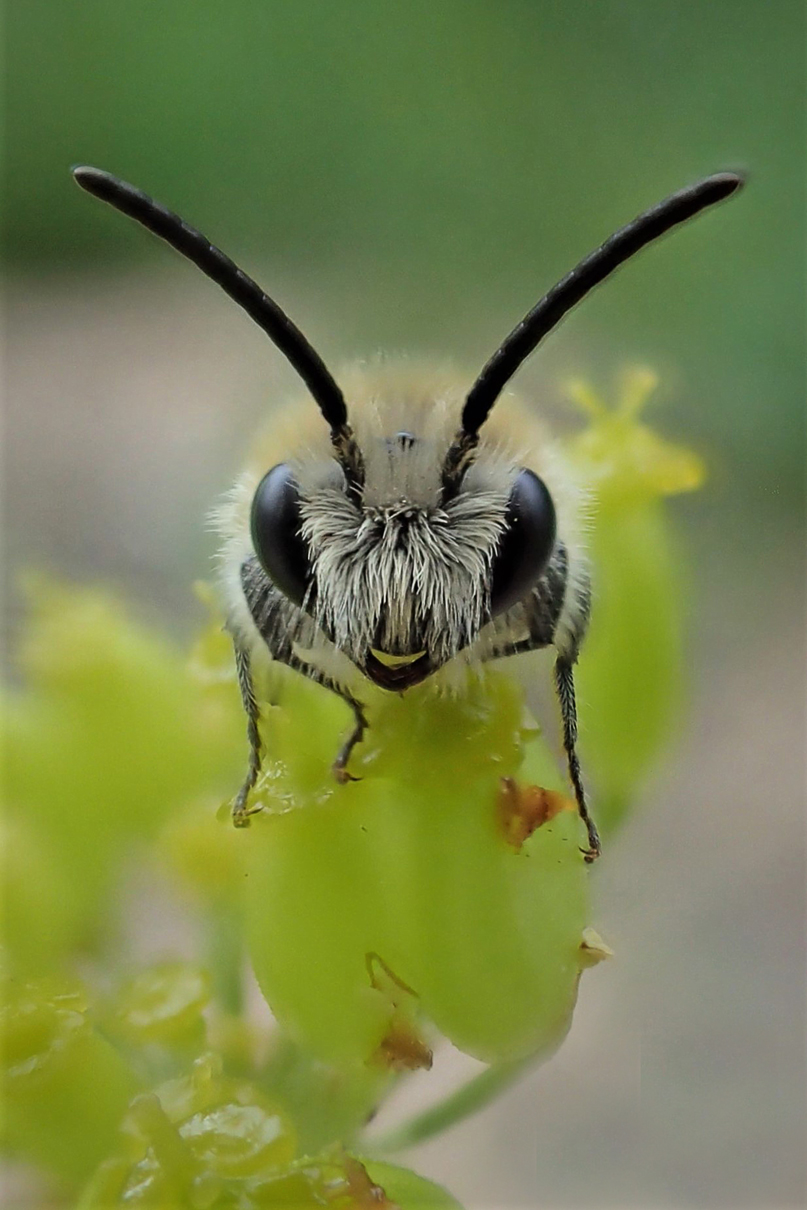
pixel 65 1087
pixel 112 732
pixel 422 172
pixel 79 1106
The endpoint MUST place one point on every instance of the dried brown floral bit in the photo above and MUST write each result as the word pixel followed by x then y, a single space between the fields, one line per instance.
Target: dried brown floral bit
pixel 402 1048
pixel 364 1192
pixel 522 809
pixel 593 949
pixel 384 979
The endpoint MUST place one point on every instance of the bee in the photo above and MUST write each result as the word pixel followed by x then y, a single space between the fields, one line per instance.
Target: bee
pixel 413 533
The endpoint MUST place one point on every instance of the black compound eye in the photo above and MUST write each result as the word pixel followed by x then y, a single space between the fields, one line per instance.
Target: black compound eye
pixel 526 545
pixel 276 526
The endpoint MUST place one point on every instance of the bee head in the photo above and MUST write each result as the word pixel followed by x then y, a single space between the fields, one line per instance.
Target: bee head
pixel 406 576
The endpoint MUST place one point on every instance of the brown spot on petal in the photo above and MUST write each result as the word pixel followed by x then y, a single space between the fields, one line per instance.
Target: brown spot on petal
pixel 522 809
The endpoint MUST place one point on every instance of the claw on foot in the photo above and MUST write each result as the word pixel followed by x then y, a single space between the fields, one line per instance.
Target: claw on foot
pixel 341 774
pixel 241 814
pixel 594 847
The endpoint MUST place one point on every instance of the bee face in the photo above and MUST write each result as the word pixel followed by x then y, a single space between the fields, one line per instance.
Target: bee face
pixel 406 576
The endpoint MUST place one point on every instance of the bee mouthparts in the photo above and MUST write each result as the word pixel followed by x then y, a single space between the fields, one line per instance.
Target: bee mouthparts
pixel 395 661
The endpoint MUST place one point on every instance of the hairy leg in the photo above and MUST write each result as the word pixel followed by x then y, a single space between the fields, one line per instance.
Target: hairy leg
pixel 543 612
pixel 240 810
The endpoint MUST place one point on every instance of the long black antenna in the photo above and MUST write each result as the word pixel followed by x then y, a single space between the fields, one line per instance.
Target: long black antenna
pixel 575 286
pixel 241 289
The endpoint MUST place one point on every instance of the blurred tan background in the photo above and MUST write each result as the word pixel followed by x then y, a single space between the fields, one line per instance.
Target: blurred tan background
pixel 411 177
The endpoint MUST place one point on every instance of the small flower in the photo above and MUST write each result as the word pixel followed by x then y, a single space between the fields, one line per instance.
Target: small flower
pixel 109 736
pixel 208 1142
pixel 624 460
pixel 630 672
pixel 65 1087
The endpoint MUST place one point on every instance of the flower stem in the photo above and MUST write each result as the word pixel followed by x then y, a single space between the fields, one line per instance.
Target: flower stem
pixel 467 1099
pixel 226 956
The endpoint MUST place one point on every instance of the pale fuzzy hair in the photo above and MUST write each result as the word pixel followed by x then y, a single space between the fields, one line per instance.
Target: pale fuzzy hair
pixel 362 572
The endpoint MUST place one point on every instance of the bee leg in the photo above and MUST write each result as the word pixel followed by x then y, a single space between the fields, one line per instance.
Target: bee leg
pixel 240 811
pixel 269 611
pixel 339 766
pixel 543 615
pixel 564 683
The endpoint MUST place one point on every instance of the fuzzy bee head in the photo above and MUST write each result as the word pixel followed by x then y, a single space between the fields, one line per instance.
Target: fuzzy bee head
pixel 403 574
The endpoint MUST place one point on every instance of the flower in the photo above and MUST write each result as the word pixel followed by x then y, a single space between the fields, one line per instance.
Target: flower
pixel 629 677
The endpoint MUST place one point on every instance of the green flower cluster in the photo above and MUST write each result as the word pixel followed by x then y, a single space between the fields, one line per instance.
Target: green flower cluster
pixel 444 893
pixel 83 1095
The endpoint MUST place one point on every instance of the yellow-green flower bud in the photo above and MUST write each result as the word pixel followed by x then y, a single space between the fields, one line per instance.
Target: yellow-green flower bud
pixel 110 734
pixel 335 1180
pixel 65 1087
pixel 162 1006
pixel 629 675
pixel 398 901
pixel 197 1142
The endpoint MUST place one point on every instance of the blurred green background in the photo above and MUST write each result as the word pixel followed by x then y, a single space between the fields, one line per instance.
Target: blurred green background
pixel 412 177
pixel 433 167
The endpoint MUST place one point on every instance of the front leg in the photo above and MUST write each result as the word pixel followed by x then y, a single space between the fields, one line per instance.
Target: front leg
pixel 564 683
pixel 276 621
pixel 356 736
pixel 240 811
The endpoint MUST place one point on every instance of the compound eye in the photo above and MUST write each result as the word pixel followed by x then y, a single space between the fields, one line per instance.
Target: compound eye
pixel 527 543
pixel 276 526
